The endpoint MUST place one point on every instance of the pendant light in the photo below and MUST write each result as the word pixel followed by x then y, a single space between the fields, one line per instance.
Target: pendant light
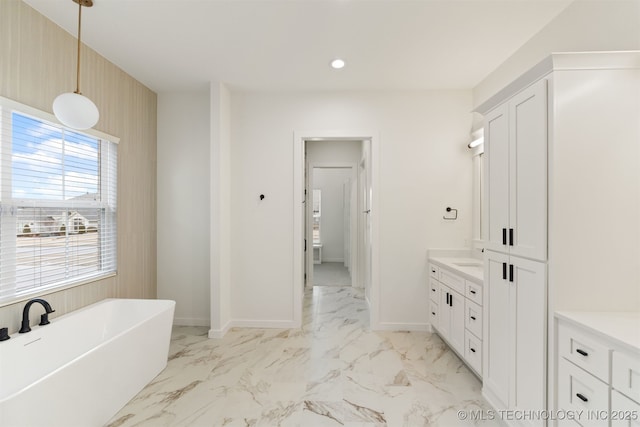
pixel 73 109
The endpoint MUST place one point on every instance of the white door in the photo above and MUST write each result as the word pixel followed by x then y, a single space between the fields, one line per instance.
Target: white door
pixel 365 197
pixel 456 333
pixel 528 172
pixel 496 153
pixel 528 297
pixel 498 328
pixel 346 218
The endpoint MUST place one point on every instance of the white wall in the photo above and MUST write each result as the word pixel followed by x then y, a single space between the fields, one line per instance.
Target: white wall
pixel 585 25
pixel 424 167
pixel 183 204
pixel 220 240
pixel 331 182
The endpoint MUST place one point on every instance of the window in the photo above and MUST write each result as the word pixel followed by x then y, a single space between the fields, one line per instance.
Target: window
pixel 57 203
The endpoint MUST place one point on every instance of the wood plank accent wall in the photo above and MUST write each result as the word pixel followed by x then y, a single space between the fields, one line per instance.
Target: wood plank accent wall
pixel 37 63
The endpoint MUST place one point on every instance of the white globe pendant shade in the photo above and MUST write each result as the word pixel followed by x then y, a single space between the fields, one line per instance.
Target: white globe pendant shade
pixel 75 111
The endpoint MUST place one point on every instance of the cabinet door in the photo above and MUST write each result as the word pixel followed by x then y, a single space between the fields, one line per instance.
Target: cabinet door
pixel 457 315
pixel 444 317
pixel 498 329
pixel 496 196
pixel 528 172
pixel 528 301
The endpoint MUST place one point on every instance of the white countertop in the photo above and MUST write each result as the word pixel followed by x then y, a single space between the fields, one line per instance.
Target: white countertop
pixel 470 268
pixel 623 327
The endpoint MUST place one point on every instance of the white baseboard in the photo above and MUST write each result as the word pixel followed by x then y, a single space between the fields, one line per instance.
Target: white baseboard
pixel 220 333
pixel 191 321
pixel 392 326
pixel 265 324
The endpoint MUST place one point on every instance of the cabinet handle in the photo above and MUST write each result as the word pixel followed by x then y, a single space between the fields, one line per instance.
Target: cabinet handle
pixel 473 292
pixel 504 271
pixel 473 317
pixel 511 237
pixel 433 270
pixel 511 272
pixel 581 397
pixel 582 352
pixel 433 312
pixel 504 236
pixel 433 290
pixel 472 349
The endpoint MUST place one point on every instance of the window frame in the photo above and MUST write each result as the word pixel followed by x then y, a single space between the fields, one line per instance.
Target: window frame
pixel 6 161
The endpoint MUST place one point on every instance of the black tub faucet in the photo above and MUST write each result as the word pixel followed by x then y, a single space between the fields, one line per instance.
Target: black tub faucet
pixel 44 319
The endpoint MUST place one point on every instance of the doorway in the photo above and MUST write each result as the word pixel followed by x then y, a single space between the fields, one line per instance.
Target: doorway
pixel 362 253
pixel 331 222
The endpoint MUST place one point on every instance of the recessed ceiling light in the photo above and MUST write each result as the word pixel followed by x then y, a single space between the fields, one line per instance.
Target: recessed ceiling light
pixel 337 63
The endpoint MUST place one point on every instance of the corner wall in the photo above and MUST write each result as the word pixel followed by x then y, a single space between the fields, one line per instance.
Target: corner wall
pixel 37 63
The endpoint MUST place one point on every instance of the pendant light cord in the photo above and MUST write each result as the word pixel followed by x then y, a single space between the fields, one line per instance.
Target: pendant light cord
pixel 78 60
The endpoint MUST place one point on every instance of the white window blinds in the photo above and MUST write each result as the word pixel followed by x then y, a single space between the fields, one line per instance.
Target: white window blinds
pixel 57 204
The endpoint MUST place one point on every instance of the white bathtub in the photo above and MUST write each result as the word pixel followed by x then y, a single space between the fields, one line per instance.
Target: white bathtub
pixel 82 368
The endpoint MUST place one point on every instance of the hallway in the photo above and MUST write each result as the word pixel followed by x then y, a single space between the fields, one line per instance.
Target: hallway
pixel 333 371
pixel 331 274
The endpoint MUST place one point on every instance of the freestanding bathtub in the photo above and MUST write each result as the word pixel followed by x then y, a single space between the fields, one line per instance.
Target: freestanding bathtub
pixel 82 368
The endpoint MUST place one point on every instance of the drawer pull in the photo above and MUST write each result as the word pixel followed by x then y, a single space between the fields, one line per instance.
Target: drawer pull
pixel 472 349
pixel 581 397
pixel 582 352
pixel 473 317
pixel 511 237
pixel 433 312
pixel 504 271
pixel 433 290
pixel 473 292
pixel 504 236
pixel 433 270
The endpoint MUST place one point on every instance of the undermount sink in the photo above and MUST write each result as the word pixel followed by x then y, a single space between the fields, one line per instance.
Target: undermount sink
pixel 468 264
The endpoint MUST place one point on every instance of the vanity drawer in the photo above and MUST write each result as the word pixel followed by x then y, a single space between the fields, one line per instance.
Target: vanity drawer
pixel 454 281
pixel 584 351
pixel 434 290
pixel 580 391
pixel 473 318
pixel 433 314
pixel 433 271
pixel 625 374
pixel 474 292
pixel 473 351
pixel 624 411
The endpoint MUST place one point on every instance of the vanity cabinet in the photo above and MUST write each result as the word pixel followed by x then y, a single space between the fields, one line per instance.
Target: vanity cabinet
pixel 598 375
pixel 455 307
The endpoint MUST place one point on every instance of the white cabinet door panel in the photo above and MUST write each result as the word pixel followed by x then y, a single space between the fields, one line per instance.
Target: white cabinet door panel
pixel 528 172
pixel 497 177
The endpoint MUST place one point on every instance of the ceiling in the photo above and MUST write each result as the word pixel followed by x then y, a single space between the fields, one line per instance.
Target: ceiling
pixel 173 45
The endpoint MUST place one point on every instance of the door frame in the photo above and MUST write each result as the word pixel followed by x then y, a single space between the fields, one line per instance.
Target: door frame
pixel 308 235
pixel 299 208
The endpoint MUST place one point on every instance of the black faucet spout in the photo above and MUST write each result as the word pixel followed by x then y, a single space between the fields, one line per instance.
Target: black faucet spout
pixel 44 319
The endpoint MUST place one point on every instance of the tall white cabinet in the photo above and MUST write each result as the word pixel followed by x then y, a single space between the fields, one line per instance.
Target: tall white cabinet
pixel 561 209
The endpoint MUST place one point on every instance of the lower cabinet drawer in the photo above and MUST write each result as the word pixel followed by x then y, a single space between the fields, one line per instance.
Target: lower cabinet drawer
pixel 473 318
pixel 584 350
pixel 434 288
pixel 624 411
pixel 473 351
pixel 625 374
pixel 580 391
pixel 433 314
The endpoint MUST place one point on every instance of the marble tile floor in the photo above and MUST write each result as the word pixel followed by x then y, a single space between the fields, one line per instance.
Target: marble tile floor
pixel 331 274
pixel 333 371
